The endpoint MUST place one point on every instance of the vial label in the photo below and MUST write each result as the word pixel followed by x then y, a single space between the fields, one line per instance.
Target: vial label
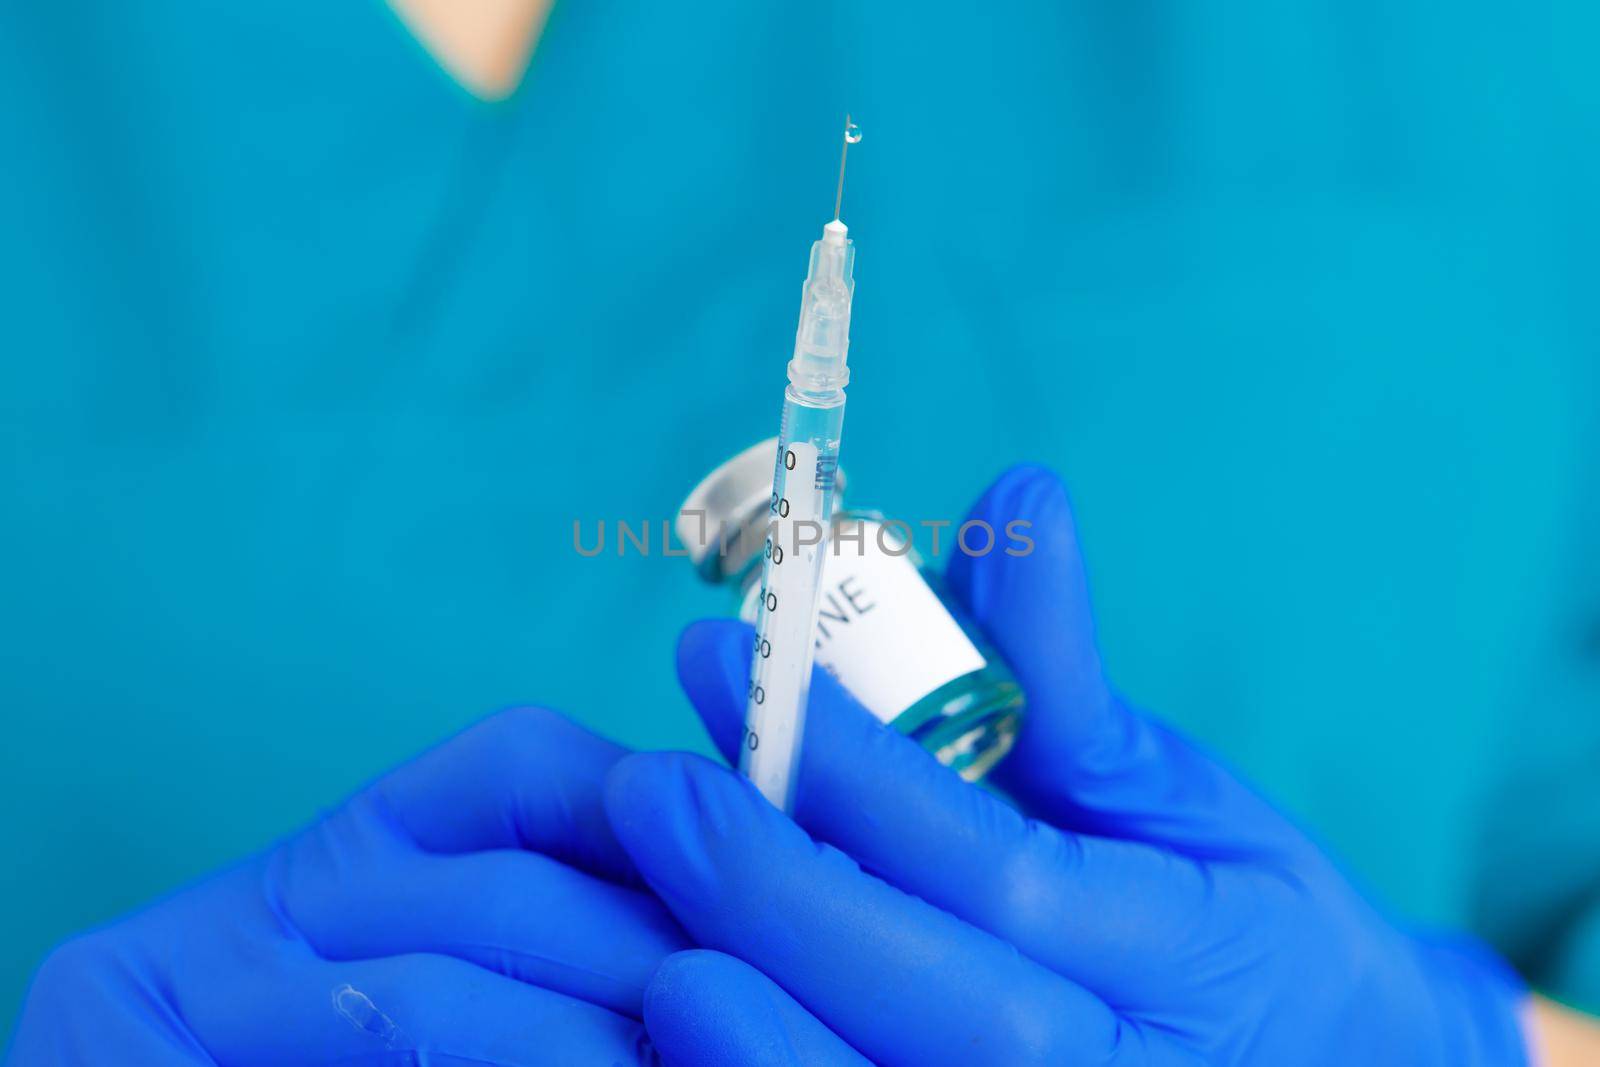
pixel 881 630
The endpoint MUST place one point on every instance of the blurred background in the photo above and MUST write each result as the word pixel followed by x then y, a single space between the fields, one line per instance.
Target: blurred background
pixel 310 357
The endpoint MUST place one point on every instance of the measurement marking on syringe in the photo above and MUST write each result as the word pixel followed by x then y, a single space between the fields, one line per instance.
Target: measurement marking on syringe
pixel 792 554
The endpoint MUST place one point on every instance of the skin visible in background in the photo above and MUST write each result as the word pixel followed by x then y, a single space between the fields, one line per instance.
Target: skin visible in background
pixel 1560 1037
pixel 484 44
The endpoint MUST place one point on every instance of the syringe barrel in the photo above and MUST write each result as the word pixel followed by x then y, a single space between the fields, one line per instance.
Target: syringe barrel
pixel 822 341
pixel 799 523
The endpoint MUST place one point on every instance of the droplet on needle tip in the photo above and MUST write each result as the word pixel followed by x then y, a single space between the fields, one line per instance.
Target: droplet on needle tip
pixel 852 135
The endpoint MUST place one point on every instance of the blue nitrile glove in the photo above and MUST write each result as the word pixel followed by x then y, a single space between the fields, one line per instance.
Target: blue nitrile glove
pixel 472 907
pixel 1151 911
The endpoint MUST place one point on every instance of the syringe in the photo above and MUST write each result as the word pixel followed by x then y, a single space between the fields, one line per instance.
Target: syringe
pixel 801 512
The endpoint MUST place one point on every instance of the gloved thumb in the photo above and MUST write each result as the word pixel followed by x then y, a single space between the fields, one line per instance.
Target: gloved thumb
pixel 1085 760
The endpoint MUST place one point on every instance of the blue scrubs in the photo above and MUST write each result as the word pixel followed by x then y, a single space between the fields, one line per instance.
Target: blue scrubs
pixel 309 361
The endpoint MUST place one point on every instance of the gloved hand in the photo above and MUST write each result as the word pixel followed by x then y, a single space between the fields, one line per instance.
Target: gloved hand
pixel 1151 911
pixel 472 907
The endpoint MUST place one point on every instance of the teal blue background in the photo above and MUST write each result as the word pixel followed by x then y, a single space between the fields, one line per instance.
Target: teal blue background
pixel 309 361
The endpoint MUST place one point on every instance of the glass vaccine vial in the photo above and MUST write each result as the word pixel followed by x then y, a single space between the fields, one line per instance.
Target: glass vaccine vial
pixel 886 629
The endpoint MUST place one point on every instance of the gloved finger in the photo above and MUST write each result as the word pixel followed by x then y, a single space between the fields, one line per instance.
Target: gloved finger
pixel 354 889
pixel 525 778
pixel 705 1009
pixel 897 978
pixel 1093 909
pixel 402 1010
pixel 1084 759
